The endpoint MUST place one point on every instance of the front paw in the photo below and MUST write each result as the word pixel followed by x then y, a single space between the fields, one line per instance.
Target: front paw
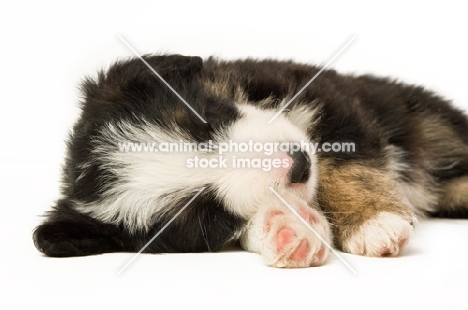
pixel 384 235
pixel 288 242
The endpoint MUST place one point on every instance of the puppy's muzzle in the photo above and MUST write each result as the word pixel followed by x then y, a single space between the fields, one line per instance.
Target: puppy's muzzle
pixel 300 171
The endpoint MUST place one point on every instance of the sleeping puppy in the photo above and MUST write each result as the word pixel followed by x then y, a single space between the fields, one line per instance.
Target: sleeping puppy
pixel 237 155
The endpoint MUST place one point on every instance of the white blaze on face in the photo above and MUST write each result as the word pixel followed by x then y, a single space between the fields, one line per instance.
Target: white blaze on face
pixel 148 183
pixel 244 190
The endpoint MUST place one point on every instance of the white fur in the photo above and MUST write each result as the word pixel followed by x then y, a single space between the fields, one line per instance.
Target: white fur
pixel 150 182
pixel 256 239
pixel 383 235
pixel 243 190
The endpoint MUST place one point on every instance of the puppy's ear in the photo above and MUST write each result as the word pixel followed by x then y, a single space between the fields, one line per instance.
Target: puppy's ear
pixel 135 71
pixel 129 85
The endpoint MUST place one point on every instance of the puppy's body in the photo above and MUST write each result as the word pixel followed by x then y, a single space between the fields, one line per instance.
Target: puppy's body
pixel 410 159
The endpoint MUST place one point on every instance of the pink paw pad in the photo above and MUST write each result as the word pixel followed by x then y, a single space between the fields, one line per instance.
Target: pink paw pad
pixel 308 215
pixel 385 251
pixel 301 252
pixel 288 242
pixel 283 238
pixel 402 241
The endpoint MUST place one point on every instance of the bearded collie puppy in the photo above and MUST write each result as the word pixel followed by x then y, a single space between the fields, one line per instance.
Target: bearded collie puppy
pixel 385 154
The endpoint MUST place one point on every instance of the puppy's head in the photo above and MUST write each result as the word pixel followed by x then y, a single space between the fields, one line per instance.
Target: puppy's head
pixel 159 148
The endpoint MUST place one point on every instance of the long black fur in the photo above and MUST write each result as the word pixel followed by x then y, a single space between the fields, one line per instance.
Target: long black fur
pixel 371 112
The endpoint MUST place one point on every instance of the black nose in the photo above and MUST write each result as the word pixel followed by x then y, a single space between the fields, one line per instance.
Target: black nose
pixel 300 171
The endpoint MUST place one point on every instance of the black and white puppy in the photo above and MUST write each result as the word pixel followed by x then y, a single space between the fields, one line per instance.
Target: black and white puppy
pixel 410 159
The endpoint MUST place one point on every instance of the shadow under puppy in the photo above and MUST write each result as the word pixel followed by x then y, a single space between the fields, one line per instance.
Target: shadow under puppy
pixel 410 159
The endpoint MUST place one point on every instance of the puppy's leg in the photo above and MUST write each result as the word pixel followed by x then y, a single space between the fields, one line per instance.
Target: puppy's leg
pixel 67 232
pixel 453 199
pixel 366 210
pixel 445 143
pixel 283 239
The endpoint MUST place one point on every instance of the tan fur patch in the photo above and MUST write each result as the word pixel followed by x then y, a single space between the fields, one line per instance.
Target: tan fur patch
pixel 455 194
pixel 352 194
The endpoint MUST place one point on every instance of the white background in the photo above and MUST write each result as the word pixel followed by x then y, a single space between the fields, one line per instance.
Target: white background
pixel 46 50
